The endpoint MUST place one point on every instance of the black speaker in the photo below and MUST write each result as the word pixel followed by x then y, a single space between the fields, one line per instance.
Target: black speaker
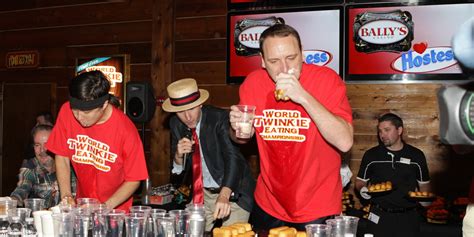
pixel 140 102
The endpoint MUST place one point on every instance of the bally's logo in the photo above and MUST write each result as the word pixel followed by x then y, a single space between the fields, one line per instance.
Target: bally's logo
pixel 383 32
pixel 424 59
pixel 317 57
pixel 249 37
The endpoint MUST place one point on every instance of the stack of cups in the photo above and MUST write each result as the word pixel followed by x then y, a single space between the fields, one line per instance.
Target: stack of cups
pixel 98 215
pixel 135 224
pixel 197 220
pixel 181 221
pixel 63 224
pixel 350 225
pixel 318 230
pixel 82 221
pixel 114 221
pixel 22 213
pixel 153 226
pixel 166 226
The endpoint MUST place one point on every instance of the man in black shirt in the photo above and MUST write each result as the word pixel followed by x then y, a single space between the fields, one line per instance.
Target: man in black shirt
pixel 393 213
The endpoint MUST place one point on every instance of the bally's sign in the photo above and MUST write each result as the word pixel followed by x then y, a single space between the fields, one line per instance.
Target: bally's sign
pixel 22 59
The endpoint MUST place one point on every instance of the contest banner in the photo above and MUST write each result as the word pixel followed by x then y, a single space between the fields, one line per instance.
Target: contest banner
pixel 320 32
pixel 404 42
pixel 116 68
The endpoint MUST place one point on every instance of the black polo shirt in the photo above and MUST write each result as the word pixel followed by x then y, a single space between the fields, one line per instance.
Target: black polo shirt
pixel 404 168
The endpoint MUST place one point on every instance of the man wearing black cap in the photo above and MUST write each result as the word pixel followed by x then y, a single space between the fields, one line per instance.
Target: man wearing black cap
pixel 100 142
pixel 200 144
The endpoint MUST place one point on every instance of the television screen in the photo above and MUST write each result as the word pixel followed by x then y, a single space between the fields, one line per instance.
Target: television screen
pixel 320 32
pixel 400 43
pixel 246 4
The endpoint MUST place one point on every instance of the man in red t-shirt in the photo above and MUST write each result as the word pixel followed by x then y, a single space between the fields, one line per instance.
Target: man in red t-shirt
pixel 100 142
pixel 299 138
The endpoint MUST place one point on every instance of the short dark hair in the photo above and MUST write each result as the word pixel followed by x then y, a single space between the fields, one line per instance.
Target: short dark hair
pixel 91 85
pixel 278 30
pixel 40 127
pixel 393 118
pixel 48 116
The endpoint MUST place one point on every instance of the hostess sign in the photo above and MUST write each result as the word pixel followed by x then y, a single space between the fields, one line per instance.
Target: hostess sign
pixel 432 59
pixel 385 40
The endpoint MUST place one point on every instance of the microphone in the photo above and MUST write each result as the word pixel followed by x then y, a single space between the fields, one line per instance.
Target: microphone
pixel 189 136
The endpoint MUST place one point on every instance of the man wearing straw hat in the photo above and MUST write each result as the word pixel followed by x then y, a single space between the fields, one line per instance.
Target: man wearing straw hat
pixel 200 144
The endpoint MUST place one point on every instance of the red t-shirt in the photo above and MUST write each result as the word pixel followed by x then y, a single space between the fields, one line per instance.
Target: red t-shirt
pixel 299 171
pixel 103 156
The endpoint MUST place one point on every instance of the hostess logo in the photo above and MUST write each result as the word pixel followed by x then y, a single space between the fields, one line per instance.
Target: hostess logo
pixel 432 59
pixel 317 57
pixel 249 37
pixel 383 32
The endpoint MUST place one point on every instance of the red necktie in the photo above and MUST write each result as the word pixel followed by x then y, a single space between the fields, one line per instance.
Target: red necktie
pixel 198 195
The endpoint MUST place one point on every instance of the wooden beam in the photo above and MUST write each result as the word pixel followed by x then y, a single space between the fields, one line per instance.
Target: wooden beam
pixel 161 75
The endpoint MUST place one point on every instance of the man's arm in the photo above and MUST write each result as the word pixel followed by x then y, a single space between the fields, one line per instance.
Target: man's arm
pixel 63 174
pixel 122 194
pixel 334 129
pixel 24 186
pixel 360 184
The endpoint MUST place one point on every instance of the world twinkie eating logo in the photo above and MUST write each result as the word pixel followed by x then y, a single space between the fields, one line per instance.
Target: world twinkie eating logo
pixel 282 125
pixel 90 151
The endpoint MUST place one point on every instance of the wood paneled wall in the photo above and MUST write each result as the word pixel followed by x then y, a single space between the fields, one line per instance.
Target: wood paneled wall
pixel 172 39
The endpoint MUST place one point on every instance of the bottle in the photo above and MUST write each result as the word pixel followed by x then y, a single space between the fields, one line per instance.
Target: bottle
pixel 16 228
pixel 30 229
pixel 4 225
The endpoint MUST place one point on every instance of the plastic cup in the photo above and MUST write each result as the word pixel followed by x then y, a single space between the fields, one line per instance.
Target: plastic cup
pixel 114 221
pixel 318 230
pixel 23 213
pixel 244 126
pixel 166 227
pixel 47 225
pixel 35 204
pixel 144 209
pixel 99 226
pixel 338 228
pixel 6 204
pixel 63 224
pixel 135 224
pixel 181 220
pixel 37 219
pixel 350 225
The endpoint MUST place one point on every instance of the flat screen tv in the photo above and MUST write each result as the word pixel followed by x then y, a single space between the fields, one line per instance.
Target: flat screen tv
pixel 253 4
pixel 320 31
pixel 409 43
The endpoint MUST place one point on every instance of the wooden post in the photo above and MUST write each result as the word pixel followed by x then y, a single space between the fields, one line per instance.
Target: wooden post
pixel 161 75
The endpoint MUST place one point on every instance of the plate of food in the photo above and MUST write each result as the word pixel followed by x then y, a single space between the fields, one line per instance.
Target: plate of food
pixel 421 196
pixel 380 188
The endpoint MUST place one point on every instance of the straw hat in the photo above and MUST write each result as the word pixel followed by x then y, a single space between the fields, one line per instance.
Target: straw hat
pixel 184 94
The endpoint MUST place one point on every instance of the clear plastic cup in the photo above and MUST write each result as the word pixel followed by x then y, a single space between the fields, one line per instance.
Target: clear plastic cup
pixel 165 226
pixel 144 209
pixel 114 221
pixel 181 220
pixel 63 224
pixel 6 204
pixel 318 230
pixel 35 204
pixel 135 224
pixel 23 213
pixel 244 129
pixel 350 225
pixel 338 228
